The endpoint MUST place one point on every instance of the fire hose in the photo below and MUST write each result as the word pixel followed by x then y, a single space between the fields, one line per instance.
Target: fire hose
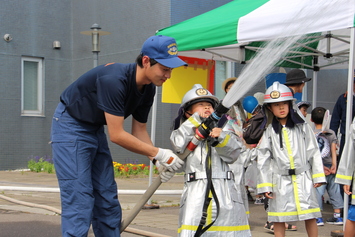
pixel 202 132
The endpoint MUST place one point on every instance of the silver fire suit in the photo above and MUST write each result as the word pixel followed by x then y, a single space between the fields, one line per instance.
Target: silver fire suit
pixel 345 174
pixel 232 219
pixel 245 159
pixel 289 169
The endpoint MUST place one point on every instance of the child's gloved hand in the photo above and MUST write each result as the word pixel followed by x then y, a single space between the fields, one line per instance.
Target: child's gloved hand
pixel 168 159
pixel 164 173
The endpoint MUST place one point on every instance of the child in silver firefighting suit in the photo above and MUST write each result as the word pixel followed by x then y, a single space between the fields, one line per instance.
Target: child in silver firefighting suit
pixel 289 163
pixel 346 176
pixel 236 118
pixel 207 172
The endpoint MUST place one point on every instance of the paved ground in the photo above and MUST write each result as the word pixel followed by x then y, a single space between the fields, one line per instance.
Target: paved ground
pixel 21 220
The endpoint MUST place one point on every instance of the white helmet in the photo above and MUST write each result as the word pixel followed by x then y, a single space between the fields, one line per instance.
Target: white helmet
pixel 198 93
pixel 277 93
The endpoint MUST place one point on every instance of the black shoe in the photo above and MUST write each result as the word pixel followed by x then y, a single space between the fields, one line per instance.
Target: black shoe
pixel 335 221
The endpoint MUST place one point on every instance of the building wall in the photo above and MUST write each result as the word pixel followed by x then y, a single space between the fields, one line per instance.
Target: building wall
pixel 35 24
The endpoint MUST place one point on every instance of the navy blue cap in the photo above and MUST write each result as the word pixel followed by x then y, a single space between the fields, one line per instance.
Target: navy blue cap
pixel 162 49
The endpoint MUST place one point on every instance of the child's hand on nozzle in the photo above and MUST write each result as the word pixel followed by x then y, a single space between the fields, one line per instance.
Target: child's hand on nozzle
pixel 215 132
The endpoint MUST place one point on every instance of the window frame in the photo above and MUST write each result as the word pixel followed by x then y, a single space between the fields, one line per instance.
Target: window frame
pixel 39 112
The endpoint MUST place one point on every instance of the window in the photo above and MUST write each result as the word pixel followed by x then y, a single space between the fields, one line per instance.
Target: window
pixel 32 85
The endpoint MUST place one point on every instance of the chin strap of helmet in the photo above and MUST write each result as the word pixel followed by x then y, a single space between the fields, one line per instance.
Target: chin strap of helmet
pixel 209 196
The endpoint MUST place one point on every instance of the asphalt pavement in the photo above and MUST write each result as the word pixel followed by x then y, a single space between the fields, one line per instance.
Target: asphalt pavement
pixel 33 213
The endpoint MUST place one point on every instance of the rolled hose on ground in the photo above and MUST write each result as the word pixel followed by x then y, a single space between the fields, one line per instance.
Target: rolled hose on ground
pixel 59 212
pixel 49 208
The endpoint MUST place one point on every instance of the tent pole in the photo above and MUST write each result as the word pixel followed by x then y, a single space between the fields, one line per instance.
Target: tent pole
pixel 152 137
pixel 230 69
pixel 315 81
pixel 349 104
pixel 315 91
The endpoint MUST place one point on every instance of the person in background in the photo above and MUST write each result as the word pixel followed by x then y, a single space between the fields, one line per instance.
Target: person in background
pixel 303 107
pixel 289 163
pixel 259 97
pixel 338 119
pixel 327 142
pixel 236 117
pixel 107 95
pixel 252 107
pixel 345 176
pixel 338 123
pixel 295 80
pixel 210 204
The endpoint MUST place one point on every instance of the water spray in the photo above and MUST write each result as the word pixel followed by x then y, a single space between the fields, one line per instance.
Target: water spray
pixel 255 71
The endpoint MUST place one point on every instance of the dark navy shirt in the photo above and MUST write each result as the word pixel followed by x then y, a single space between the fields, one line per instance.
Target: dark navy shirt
pixel 339 114
pixel 108 88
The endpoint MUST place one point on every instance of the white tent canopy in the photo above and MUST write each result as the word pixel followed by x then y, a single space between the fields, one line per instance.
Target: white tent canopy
pixel 332 51
pixel 225 33
pixel 228 32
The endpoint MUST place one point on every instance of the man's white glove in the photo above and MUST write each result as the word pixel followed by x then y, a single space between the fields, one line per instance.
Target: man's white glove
pixel 165 175
pixel 168 159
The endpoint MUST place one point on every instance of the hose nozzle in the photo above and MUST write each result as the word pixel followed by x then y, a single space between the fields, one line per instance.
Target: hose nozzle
pixel 211 122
